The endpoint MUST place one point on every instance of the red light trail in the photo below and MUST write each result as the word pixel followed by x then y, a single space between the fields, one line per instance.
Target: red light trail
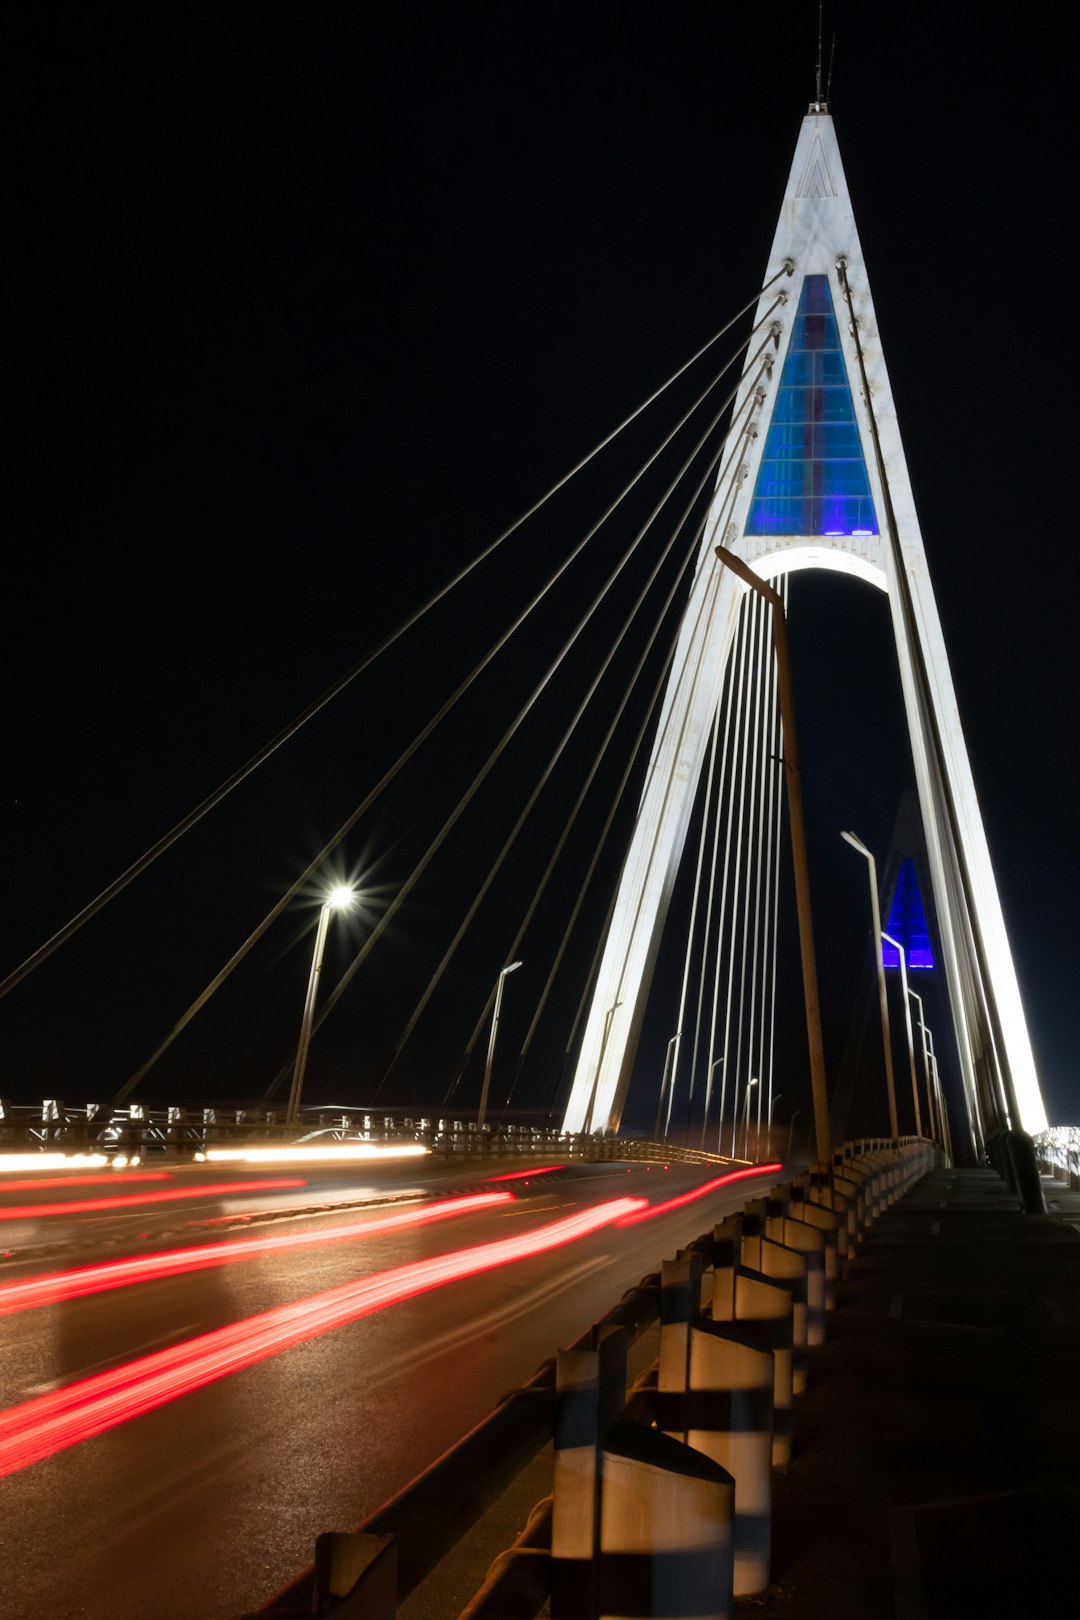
pixel 522 1175
pixel 55 1286
pixel 59 1179
pixel 698 1192
pixel 38 1428
pixel 76 1206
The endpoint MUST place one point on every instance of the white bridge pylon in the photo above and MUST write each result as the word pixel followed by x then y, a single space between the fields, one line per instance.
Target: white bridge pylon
pixel 806 491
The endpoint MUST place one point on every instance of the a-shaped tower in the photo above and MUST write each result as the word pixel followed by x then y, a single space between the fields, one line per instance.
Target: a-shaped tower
pixel 820 482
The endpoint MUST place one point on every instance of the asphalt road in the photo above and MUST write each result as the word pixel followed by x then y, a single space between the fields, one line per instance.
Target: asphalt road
pixel 209 1503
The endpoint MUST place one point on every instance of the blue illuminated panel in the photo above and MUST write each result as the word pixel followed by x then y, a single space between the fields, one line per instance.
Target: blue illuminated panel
pixel 907 923
pixel 812 479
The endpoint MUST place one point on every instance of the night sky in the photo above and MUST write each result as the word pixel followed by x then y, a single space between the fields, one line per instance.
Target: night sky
pixel 311 302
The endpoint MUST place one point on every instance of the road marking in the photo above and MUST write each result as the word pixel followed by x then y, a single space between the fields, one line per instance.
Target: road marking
pixel 536 1209
pixel 935 1228
pixel 1054 1308
pixel 896 1306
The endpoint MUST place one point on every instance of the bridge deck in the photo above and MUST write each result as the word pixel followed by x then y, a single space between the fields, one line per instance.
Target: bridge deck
pixel 935 1472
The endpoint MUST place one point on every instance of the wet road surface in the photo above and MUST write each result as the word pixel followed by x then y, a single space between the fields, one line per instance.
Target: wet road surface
pixel 209 1503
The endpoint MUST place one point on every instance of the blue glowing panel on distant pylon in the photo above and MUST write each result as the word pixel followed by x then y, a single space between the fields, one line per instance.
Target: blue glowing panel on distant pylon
pixel 813 479
pixel 907 923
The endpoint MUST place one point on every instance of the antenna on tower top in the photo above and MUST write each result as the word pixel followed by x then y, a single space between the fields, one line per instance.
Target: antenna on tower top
pixel 818 79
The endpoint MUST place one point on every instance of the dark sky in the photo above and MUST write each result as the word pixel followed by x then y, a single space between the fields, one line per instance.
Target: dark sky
pixel 311 301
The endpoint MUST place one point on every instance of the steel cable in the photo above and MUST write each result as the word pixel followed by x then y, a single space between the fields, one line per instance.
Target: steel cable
pixel 346 827
pixel 212 800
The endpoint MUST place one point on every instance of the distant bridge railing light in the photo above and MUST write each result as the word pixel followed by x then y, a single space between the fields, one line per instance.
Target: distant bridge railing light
pixel 1059 1148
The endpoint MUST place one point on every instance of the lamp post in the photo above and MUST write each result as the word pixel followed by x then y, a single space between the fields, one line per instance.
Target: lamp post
pixel 339 899
pixel 746 1121
pixel 899 949
pixel 499 982
pixel 857 843
pixel 608 1016
pixel 708 1094
pixel 791 1131
pixel 943 1112
pixel 663 1088
pixel 935 1127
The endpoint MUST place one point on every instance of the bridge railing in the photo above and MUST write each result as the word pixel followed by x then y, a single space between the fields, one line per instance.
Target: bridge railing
pixel 139 1130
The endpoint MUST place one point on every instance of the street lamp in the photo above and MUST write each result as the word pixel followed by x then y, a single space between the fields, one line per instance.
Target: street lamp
pixel 943 1112
pixel 708 1097
pixel 663 1088
pixel 608 1016
pixel 900 951
pixel 935 1128
pixel 746 1121
pixel 499 982
pixel 791 1132
pixel 857 843
pixel 340 898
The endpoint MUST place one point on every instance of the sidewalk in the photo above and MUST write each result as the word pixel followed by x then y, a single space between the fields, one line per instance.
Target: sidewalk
pixel 937 1464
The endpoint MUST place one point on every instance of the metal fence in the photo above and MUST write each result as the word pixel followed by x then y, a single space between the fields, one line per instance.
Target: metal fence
pixel 142 1131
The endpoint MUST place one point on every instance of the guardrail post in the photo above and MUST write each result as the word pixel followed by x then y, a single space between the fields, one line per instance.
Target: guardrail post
pixel 53 1119
pixel 787 1268
pixel 640 1525
pixel 818 1188
pixel 809 1241
pixel 666 1523
pixel 743 1294
pixel 870 1162
pixel 829 1223
pixel 716 1393
pixel 360 1570
pixel 853 1180
pixel 590 1395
